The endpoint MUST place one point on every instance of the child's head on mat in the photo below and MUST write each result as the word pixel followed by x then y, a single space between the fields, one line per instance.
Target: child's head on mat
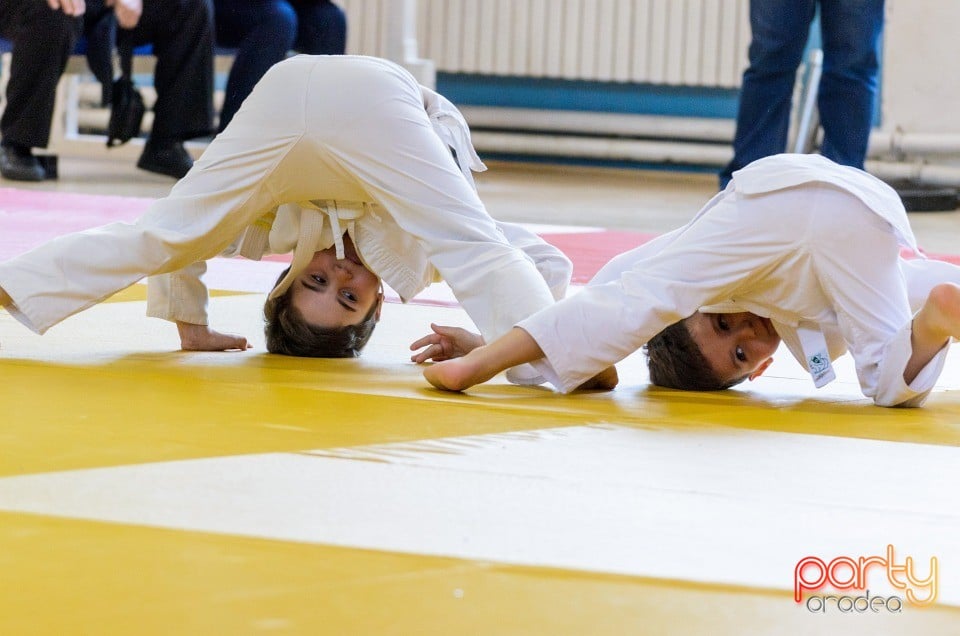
pixel 711 352
pixel 329 310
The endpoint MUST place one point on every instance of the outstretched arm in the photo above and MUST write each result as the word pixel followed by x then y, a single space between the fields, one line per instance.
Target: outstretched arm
pixel 513 348
pixel 482 363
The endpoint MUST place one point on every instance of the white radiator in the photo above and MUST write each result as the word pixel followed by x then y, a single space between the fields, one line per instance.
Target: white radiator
pixel 672 42
pixel 698 43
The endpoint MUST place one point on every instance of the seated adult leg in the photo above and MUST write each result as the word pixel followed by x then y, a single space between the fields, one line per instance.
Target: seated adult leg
pixel 181 32
pixel 322 28
pixel 262 31
pixel 100 30
pixel 43 40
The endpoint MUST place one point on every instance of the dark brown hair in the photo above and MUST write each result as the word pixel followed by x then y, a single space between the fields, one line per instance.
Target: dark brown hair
pixel 675 361
pixel 289 334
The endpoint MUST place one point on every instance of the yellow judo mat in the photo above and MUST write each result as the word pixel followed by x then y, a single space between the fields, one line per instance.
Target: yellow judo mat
pixel 145 490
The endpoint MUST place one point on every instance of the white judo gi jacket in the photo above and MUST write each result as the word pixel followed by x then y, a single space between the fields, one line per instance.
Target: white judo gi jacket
pixel 323 145
pixel 811 245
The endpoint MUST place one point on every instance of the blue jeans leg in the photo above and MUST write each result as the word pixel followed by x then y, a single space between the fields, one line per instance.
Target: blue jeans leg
pixel 848 89
pixel 779 35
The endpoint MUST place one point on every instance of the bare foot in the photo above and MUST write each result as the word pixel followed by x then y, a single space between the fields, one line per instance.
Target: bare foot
pixel 936 322
pixel 943 310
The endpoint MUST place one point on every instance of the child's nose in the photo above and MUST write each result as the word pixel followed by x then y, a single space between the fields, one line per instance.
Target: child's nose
pixel 343 273
pixel 748 329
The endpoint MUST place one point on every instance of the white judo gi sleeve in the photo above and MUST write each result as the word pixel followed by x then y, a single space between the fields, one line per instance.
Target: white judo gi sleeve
pixel 649 288
pixel 553 265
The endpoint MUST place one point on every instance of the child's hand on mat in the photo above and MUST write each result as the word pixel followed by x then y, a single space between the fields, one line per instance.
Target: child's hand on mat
pixel 203 338
pixel 606 380
pixel 445 343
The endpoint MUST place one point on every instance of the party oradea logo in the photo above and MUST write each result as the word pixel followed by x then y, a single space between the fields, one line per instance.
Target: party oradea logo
pixel 842 584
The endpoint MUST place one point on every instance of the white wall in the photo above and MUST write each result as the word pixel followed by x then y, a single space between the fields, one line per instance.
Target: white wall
pixel 921 78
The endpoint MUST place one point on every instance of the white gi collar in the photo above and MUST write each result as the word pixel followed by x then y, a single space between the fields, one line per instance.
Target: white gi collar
pixel 312 217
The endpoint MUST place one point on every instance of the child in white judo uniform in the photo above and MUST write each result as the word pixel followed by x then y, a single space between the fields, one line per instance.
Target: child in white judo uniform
pixel 345 161
pixel 796 247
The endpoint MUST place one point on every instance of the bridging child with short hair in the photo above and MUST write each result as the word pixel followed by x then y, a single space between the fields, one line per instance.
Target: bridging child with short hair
pixel 346 162
pixel 796 248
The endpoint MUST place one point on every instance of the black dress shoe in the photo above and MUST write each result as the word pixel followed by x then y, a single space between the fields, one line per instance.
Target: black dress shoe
pixel 165 157
pixel 19 164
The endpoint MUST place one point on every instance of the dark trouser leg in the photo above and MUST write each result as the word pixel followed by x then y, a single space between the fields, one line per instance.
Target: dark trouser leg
pixel 100 29
pixel 263 31
pixel 43 40
pixel 181 32
pixel 323 28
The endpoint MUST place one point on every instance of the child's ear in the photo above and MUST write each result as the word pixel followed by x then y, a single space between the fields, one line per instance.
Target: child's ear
pixel 376 314
pixel 759 371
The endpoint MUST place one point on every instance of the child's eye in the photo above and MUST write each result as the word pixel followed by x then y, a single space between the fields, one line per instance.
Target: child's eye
pixel 722 322
pixel 320 279
pixel 349 295
pixel 741 356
